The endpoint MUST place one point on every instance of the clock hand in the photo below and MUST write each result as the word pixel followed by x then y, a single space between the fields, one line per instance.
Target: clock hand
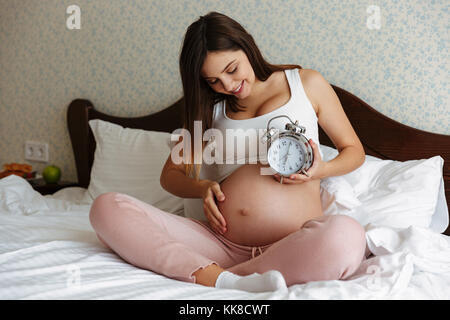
pixel 283 157
pixel 287 153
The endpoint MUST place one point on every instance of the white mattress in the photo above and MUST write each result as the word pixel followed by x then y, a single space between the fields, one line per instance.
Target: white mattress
pixel 48 250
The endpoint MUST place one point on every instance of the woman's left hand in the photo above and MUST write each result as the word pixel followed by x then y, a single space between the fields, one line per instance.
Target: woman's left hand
pixel 313 173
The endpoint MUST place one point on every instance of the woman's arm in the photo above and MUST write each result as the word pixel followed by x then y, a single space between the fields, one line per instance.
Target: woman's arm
pixel 174 180
pixel 335 124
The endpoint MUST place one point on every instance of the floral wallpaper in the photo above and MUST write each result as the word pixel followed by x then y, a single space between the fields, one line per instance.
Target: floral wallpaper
pixel 123 56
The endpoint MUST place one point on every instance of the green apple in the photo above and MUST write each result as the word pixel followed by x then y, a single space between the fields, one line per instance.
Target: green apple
pixel 51 174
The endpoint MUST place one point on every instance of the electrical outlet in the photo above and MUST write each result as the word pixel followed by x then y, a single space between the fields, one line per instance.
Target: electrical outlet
pixel 36 151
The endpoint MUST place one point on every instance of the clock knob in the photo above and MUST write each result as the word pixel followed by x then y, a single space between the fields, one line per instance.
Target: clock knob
pixel 268 135
pixel 295 127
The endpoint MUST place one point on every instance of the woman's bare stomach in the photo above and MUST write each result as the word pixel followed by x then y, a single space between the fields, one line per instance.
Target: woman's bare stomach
pixel 259 210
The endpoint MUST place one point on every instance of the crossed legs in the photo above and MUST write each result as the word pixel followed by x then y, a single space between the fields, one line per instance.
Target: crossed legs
pixel 331 247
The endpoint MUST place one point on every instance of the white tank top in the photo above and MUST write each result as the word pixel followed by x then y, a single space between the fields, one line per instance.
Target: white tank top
pixel 298 107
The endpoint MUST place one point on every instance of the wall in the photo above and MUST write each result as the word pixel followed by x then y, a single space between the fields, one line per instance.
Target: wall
pixel 125 59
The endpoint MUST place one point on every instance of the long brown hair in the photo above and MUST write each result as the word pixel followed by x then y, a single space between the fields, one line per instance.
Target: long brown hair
pixel 214 32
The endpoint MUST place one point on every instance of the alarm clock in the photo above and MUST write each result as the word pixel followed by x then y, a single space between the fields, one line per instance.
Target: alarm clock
pixel 288 151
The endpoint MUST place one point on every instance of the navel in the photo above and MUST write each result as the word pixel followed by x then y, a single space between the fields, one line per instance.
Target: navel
pixel 244 212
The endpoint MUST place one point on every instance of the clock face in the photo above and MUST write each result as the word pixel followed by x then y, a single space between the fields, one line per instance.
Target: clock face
pixel 286 155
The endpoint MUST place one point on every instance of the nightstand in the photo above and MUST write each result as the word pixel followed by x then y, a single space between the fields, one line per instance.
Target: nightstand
pixel 43 188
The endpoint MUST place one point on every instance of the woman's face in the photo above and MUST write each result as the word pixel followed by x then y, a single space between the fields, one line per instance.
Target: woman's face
pixel 229 72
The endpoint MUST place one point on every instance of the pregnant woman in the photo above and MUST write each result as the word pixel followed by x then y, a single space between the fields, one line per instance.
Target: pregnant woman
pixel 259 233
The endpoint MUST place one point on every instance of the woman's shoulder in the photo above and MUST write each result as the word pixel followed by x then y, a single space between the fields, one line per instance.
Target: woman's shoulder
pixel 310 76
pixel 313 82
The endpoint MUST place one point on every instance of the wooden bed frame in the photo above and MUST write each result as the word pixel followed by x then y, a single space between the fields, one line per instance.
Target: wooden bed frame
pixel 381 136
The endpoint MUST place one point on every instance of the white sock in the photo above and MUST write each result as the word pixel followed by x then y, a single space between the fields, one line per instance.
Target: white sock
pixel 269 281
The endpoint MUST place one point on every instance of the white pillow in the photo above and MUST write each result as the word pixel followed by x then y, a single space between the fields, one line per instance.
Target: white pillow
pixel 130 161
pixel 385 192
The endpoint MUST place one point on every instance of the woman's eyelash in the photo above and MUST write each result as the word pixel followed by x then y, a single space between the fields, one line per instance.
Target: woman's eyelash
pixel 230 72
pixel 233 70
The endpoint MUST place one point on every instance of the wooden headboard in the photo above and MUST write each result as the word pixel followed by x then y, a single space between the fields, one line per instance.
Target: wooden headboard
pixel 381 136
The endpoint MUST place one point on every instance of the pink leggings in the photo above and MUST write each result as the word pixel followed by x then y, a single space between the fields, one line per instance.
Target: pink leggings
pixel 326 248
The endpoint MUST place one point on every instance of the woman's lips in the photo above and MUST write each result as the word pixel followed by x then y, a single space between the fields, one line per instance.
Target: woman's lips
pixel 240 89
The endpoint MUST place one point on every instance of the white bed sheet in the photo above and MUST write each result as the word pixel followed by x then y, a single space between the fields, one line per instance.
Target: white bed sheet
pixel 48 250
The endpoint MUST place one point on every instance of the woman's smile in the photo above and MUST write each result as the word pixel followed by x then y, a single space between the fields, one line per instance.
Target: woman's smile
pixel 239 89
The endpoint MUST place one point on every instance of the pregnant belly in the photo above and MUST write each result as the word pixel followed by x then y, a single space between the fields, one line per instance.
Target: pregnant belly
pixel 259 210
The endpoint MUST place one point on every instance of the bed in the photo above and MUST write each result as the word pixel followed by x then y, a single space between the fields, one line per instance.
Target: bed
pixel 48 250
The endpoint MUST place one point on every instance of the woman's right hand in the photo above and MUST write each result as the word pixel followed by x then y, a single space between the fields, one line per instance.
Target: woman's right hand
pixel 211 191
